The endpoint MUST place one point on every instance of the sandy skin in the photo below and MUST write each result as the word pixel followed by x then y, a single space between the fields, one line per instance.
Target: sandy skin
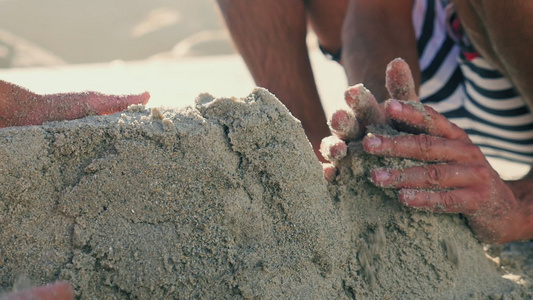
pixel 20 107
pixel 459 180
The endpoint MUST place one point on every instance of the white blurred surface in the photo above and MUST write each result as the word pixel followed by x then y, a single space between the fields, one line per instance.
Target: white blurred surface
pixel 173 83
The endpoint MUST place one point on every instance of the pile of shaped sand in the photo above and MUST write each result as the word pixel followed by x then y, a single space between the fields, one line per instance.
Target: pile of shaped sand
pixel 225 200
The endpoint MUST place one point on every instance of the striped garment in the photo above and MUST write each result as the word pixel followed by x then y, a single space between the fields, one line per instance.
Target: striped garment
pixel 466 89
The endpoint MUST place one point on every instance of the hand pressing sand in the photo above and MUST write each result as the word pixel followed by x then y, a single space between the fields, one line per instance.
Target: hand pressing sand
pixel 458 179
pixel 19 107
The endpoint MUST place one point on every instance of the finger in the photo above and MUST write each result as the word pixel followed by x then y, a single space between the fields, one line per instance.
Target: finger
pixel 330 171
pixel 436 176
pixel 109 104
pixel 466 201
pixel 333 148
pixel 344 125
pixel 78 105
pixel 56 291
pixel 365 106
pixel 399 81
pixel 422 147
pixel 424 118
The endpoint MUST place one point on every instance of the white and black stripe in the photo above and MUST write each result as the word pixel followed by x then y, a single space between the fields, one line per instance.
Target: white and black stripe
pixel 472 94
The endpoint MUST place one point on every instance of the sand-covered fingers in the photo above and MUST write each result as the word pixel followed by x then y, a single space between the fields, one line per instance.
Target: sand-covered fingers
pixel 330 171
pixel 423 118
pixel 109 104
pixel 344 125
pixel 333 148
pixel 69 106
pixel 466 200
pixel 461 182
pixel 365 106
pixel 423 147
pixel 434 176
pixel 399 81
pixel 20 107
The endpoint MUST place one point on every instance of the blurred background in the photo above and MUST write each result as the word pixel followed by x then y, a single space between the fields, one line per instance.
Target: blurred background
pixel 52 32
pixel 175 49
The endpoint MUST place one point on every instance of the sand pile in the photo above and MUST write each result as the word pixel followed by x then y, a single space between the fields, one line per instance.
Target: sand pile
pixel 225 200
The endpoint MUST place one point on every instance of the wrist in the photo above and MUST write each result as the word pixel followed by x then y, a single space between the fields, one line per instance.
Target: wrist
pixel 523 216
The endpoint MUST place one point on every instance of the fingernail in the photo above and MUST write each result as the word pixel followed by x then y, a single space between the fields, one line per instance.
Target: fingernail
pixel 330 171
pixel 407 196
pixel 373 141
pixel 394 105
pixel 380 176
pixel 333 148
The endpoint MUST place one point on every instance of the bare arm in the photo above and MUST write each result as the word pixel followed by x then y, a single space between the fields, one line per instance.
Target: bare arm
pixel 270 36
pixel 375 32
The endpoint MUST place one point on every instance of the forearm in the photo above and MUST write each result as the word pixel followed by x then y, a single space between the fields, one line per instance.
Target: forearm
pixel 271 37
pixel 374 33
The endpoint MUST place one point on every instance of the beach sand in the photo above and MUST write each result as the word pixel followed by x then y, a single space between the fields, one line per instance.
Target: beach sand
pixel 125 205
pixel 222 200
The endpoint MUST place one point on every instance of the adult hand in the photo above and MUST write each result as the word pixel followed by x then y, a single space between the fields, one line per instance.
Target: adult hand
pixel 347 125
pixel 459 178
pixel 19 107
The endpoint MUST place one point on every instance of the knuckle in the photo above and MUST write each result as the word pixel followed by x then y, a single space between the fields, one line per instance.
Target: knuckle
pixel 426 199
pixel 473 152
pixel 425 143
pixel 448 200
pixel 485 195
pixel 430 110
pixel 459 133
pixel 483 173
pixel 433 175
